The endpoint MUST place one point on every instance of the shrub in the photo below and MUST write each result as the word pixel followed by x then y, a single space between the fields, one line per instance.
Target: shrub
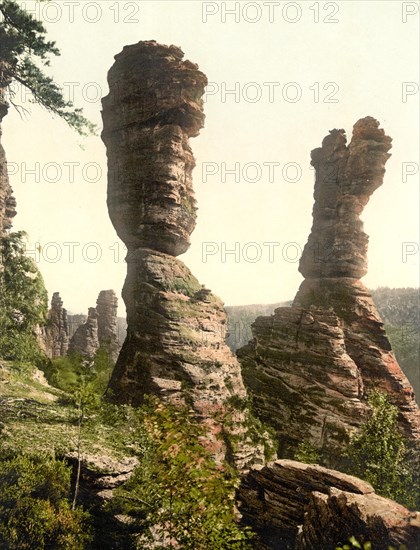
pixel 378 452
pixel 23 301
pixel 354 543
pixel 178 495
pixel 34 508
pixel 308 453
pixel 73 371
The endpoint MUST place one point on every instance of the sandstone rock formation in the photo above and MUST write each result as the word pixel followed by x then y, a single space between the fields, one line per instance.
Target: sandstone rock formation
pixel 99 475
pixel 56 330
pixel 153 108
pixel 175 339
pixel 340 514
pixel 85 340
pixel 296 506
pixel 74 322
pixel 107 308
pixel 98 329
pixel 310 366
pixel 7 201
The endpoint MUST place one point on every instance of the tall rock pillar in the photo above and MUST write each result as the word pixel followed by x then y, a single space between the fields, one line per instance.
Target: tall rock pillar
pixel 175 338
pixel 56 329
pixel 310 367
pixel 107 308
pixel 7 201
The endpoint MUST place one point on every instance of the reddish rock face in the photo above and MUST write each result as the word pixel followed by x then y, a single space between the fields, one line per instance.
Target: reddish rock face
pixel 7 201
pixel 310 367
pixel 295 506
pixel 346 176
pixel 153 108
pixel 338 515
pixel 175 344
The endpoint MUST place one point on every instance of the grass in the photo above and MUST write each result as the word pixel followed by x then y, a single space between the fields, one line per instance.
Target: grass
pixel 38 417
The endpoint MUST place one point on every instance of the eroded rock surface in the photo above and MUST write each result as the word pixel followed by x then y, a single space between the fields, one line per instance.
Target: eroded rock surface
pixel 296 506
pixel 99 476
pixel 98 330
pixel 85 340
pixel 175 344
pixel 56 334
pixel 107 308
pixel 309 367
pixel 153 108
pixel 7 201
pixel 346 177
pixel 339 515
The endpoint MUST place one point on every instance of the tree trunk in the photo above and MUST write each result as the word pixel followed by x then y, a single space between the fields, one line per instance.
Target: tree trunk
pixel 79 458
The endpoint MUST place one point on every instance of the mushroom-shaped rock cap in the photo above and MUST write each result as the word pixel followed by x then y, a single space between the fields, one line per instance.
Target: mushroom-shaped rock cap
pixel 154 106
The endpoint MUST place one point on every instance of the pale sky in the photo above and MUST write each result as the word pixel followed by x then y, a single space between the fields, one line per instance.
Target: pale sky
pixel 295 71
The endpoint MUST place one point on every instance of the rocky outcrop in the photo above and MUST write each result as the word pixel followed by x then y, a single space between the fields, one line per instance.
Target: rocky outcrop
pixel 296 506
pixel 56 330
pixel 107 308
pixel 309 367
pixel 7 201
pixel 399 309
pixel 99 476
pixel 85 340
pixel 98 330
pixel 175 338
pixel 74 322
pixel 340 515
pixel 346 177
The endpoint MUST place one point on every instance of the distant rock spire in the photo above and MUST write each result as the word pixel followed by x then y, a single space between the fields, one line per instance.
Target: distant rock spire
pixel 107 309
pixel 85 340
pixel 56 330
pixel 99 330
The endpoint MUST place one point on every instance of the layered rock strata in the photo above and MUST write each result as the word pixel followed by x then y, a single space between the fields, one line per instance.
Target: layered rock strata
pixel 7 201
pixel 85 340
pixel 56 334
pixel 296 506
pixel 107 308
pixel 100 475
pixel 175 344
pixel 310 367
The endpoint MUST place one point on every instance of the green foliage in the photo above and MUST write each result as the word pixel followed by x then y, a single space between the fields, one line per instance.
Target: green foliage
pixel 178 495
pixel 71 372
pixel 64 372
pixel 308 453
pixel 405 341
pixel 378 453
pixel 256 432
pixel 354 543
pixel 23 49
pixel 23 301
pixel 34 508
